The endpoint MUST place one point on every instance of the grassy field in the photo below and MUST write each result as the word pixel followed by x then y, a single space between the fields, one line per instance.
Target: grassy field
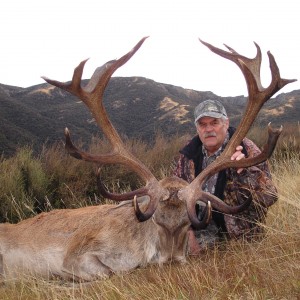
pixel 265 269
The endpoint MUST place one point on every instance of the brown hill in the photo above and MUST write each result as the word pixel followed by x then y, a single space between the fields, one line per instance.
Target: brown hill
pixel 138 107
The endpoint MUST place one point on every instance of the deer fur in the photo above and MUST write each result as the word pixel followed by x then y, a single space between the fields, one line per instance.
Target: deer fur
pixel 96 241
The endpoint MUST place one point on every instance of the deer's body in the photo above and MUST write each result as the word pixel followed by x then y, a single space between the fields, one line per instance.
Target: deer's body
pixel 93 242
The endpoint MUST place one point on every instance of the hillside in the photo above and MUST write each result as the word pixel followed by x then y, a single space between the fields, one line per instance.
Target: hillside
pixel 138 107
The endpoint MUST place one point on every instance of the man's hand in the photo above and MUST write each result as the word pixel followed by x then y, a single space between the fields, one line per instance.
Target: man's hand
pixel 238 155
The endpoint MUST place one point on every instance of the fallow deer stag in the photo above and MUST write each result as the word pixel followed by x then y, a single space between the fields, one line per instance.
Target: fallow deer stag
pixel 93 242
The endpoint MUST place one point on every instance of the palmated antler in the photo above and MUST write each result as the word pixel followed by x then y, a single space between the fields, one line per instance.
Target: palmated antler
pixel 92 96
pixel 257 97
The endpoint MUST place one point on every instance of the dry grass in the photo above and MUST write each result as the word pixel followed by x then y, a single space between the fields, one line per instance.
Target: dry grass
pixel 265 269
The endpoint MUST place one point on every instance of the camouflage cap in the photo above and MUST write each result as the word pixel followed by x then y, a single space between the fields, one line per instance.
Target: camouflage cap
pixel 210 108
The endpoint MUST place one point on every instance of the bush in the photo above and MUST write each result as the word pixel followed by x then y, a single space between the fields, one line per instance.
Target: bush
pixel 23 184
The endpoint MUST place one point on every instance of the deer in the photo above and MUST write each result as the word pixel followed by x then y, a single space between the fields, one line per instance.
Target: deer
pixel 148 225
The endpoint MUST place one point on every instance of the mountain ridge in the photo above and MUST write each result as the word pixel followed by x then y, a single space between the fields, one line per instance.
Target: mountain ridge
pixel 138 107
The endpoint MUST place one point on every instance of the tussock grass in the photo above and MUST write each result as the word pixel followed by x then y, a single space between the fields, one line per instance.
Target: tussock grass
pixel 268 268
pixel 31 184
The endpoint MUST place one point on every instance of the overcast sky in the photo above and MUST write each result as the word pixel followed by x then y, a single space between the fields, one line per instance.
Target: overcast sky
pixel 50 38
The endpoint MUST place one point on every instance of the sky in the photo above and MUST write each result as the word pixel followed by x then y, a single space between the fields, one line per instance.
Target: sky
pixel 50 38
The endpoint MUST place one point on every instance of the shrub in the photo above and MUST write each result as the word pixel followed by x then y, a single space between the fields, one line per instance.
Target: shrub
pixel 23 184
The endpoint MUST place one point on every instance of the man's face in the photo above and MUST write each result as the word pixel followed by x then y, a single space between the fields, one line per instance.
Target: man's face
pixel 212 132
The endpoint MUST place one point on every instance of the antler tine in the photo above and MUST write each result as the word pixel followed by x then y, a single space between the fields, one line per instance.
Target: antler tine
pixel 257 94
pixel 257 97
pixel 225 162
pixel 102 75
pixel 251 68
pixel 74 87
pixel 277 82
pixel 92 96
pixel 119 197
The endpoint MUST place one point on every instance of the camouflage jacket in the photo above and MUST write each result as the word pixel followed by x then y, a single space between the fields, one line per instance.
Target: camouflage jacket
pixel 232 188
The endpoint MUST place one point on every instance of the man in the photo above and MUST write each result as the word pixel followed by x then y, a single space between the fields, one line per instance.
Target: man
pixel 230 185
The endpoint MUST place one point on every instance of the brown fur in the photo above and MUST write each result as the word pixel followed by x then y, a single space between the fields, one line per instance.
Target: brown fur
pixel 93 242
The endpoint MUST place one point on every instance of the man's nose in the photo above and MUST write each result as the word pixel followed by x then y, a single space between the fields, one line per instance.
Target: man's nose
pixel 209 127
